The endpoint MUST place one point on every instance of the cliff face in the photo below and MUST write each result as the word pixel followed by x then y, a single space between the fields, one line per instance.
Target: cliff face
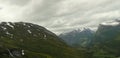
pixel 107 38
pixel 108 30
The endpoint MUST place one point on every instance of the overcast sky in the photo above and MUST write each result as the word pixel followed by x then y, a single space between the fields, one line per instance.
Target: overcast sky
pixel 60 15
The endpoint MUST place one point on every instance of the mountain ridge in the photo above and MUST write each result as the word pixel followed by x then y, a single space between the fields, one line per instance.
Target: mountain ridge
pixel 78 37
pixel 34 40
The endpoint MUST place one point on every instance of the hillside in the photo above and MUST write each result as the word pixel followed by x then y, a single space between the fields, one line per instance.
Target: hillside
pixel 27 40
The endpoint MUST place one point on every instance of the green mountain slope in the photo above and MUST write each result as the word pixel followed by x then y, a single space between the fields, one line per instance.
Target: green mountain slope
pixel 27 40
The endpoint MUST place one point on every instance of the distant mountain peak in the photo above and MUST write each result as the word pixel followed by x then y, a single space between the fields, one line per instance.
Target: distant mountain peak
pixel 78 37
pixel 83 29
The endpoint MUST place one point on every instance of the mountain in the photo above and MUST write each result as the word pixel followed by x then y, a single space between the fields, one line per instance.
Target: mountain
pixel 27 40
pixel 107 40
pixel 78 38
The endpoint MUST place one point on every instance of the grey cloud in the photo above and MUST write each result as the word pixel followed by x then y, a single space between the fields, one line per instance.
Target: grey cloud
pixel 15 2
pixel 61 15
pixel 41 11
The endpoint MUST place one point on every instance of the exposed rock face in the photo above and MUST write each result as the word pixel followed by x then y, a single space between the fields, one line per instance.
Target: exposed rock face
pixel 107 38
pixel 108 30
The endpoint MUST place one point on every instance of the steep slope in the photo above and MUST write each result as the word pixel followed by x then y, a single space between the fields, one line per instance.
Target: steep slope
pixel 107 40
pixel 27 40
pixel 78 38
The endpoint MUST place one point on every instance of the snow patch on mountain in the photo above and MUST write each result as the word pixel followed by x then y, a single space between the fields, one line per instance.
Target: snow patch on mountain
pixel 29 26
pixel 45 36
pixel 24 24
pixel 11 35
pixel 29 31
pixel 111 23
pixel 8 33
pixel 10 25
pixel 4 28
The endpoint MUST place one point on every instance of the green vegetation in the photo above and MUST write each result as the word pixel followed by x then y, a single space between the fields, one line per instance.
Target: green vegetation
pixel 38 43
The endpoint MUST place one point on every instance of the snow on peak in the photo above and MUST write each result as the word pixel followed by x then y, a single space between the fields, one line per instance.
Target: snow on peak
pixel 115 23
